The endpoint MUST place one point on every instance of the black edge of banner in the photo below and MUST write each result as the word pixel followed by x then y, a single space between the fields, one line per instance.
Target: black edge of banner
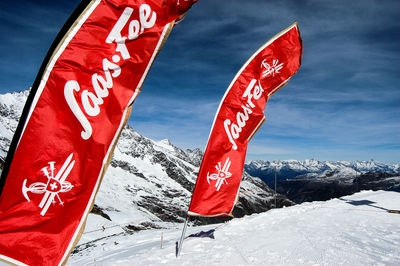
pixel 301 43
pixel 23 120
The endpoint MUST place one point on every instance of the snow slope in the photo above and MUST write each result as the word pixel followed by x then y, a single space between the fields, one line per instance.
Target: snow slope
pixel 352 230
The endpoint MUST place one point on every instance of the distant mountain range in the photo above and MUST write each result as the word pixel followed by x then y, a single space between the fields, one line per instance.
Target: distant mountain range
pixel 312 180
pixel 289 169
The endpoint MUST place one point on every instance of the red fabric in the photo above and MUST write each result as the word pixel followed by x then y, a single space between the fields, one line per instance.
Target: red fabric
pixel 80 109
pixel 238 118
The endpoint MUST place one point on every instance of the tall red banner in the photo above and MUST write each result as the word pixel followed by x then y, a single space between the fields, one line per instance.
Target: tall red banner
pixel 78 105
pixel 240 114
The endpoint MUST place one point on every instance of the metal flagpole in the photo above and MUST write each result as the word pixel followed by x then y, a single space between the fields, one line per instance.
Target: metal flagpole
pixel 275 190
pixel 356 177
pixel 179 247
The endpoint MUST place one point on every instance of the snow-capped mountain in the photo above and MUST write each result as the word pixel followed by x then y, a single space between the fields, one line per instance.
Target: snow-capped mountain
pixel 148 182
pixel 313 180
pixel 313 168
pixel 11 105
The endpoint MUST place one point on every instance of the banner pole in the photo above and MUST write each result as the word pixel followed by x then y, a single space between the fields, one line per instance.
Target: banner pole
pixel 275 191
pixel 178 252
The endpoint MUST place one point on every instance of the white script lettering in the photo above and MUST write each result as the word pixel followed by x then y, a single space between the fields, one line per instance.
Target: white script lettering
pixel 233 130
pixel 91 101
pixel 147 19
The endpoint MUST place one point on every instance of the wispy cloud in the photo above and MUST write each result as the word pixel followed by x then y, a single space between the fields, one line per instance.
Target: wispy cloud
pixel 186 122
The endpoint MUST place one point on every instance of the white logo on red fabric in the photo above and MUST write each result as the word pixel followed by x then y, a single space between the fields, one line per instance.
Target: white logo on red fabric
pixel 54 185
pixel 271 69
pixel 221 175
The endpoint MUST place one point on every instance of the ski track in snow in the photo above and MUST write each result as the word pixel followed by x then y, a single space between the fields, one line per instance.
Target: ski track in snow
pixel 352 230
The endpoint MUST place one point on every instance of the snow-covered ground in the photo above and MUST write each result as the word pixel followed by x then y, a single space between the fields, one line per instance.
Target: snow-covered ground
pixel 352 230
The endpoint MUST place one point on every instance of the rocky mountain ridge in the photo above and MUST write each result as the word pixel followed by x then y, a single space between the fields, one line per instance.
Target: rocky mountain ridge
pixel 314 180
pixel 313 168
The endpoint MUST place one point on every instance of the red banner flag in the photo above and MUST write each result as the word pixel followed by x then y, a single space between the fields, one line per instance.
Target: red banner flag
pixel 78 105
pixel 240 114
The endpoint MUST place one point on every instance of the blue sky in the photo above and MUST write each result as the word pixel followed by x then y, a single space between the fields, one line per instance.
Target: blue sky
pixel 343 104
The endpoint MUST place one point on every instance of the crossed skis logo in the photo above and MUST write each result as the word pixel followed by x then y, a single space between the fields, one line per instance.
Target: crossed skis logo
pixel 54 185
pixel 221 175
pixel 271 69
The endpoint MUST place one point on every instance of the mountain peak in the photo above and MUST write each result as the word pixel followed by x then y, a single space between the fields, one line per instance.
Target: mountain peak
pixel 165 142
